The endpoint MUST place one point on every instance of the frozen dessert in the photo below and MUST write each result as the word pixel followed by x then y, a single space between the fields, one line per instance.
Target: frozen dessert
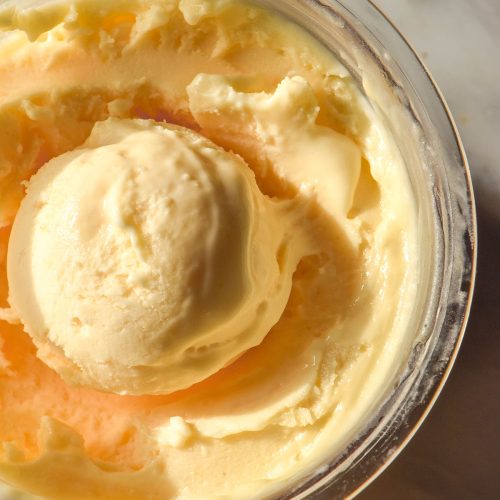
pixel 148 259
pixel 207 251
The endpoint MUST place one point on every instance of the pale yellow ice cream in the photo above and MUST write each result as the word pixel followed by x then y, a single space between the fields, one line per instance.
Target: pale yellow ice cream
pixel 299 300
pixel 148 259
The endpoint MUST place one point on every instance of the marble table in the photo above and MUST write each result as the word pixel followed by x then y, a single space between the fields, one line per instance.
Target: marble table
pixel 456 453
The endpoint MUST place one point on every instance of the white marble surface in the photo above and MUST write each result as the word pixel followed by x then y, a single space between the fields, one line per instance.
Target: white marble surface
pixel 456 453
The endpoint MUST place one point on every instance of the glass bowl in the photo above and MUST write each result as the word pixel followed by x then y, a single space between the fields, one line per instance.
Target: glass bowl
pixel 407 100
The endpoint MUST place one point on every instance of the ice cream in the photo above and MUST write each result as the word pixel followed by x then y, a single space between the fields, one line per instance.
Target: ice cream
pixel 148 259
pixel 207 251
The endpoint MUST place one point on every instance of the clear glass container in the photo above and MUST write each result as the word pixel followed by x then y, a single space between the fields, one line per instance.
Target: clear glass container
pixel 405 97
pixel 400 89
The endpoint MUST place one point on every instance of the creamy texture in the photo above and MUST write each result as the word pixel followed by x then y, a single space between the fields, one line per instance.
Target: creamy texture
pixel 328 183
pixel 148 259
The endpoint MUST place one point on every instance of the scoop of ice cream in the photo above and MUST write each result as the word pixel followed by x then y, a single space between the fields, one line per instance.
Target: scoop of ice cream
pixel 147 259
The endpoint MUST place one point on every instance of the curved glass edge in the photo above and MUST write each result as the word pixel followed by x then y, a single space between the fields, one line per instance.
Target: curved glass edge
pixel 461 288
pixel 432 357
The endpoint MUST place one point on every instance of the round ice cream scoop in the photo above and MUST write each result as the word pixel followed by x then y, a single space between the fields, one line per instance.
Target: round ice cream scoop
pixel 147 259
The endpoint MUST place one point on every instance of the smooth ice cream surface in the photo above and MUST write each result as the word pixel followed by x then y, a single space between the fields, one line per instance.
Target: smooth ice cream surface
pixel 207 251
pixel 147 259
